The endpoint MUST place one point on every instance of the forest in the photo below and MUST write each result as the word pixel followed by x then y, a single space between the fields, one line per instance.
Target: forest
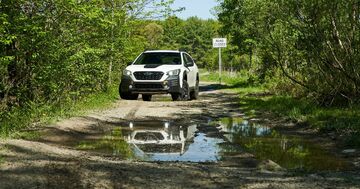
pixel 313 45
pixel 55 53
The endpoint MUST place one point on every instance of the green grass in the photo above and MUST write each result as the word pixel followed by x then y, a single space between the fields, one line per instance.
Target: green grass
pixel 339 120
pixel 255 99
pixel 18 122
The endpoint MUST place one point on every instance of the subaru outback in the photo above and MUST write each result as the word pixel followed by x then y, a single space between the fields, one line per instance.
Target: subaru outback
pixel 161 72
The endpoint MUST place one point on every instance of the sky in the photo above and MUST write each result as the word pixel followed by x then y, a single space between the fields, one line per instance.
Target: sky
pixel 199 8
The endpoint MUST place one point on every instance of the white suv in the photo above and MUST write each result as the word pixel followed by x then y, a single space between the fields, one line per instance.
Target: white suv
pixel 161 72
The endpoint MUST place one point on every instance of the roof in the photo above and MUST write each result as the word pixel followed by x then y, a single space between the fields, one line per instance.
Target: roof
pixel 163 51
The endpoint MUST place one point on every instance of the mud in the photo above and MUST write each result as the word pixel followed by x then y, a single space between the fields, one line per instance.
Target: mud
pixel 209 143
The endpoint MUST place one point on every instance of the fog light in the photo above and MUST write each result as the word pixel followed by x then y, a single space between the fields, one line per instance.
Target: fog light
pixel 130 86
pixel 166 125
pixel 166 85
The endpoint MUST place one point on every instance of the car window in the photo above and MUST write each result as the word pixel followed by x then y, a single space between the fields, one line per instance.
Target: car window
pixel 159 58
pixel 189 61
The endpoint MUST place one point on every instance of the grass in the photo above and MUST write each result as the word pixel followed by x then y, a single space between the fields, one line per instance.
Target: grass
pixel 255 99
pixel 19 122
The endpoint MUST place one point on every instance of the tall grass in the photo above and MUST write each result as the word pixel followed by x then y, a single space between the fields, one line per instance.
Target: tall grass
pixel 17 119
pixel 254 98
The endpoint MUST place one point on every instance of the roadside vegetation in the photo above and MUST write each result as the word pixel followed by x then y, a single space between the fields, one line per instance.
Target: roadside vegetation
pixel 19 122
pixel 308 49
pixel 58 56
pixel 255 99
pixel 305 54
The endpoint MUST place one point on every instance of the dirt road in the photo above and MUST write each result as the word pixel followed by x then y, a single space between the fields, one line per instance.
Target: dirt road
pixel 55 160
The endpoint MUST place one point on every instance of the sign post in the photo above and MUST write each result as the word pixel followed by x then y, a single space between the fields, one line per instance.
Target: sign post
pixel 219 43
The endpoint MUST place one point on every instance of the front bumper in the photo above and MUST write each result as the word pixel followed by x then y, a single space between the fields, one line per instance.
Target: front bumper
pixel 170 85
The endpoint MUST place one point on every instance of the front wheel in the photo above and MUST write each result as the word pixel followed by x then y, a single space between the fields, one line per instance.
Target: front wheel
pixel 195 94
pixel 185 95
pixel 126 95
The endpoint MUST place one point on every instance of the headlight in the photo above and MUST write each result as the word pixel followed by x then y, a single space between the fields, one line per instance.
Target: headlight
pixel 173 72
pixel 127 72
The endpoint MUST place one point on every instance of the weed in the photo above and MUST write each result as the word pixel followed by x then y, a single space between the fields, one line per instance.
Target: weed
pixel 344 121
pixel 17 119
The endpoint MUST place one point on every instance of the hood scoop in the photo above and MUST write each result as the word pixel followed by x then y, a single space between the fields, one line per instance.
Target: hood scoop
pixel 152 65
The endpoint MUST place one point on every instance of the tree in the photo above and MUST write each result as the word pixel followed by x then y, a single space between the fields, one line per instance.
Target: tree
pixel 312 43
pixel 56 52
pixel 153 33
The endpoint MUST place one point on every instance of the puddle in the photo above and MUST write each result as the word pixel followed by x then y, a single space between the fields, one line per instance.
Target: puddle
pixel 112 144
pixel 169 141
pixel 158 141
pixel 211 142
pixel 289 152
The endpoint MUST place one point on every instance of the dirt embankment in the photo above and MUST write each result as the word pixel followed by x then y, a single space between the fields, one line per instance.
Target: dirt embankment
pixel 53 162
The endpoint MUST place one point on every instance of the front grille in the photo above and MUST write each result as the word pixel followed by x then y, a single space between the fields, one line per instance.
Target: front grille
pixel 148 86
pixel 148 75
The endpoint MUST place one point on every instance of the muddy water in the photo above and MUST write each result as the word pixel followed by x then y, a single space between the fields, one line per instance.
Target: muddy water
pixel 211 142
pixel 289 152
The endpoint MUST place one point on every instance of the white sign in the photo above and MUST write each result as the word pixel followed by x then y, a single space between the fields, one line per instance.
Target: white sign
pixel 219 42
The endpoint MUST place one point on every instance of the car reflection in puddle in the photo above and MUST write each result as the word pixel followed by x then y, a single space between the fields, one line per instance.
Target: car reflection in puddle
pixel 169 141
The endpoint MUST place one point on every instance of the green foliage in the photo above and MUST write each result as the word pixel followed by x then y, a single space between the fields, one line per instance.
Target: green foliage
pixel 235 80
pixel 153 33
pixel 255 99
pixel 193 35
pixel 313 44
pixel 27 135
pixel 341 121
pixel 16 119
pixel 55 53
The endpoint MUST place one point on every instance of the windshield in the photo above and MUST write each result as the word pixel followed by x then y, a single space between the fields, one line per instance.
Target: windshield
pixel 159 58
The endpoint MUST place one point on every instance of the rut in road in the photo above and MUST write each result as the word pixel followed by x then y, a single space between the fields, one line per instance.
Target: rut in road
pixel 55 161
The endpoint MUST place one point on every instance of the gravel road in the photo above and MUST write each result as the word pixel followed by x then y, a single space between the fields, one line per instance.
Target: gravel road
pixel 53 162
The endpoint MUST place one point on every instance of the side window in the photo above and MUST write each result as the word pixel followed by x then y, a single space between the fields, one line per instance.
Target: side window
pixel 189 61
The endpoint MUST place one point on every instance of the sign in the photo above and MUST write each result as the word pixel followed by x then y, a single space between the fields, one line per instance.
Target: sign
pixel 219 42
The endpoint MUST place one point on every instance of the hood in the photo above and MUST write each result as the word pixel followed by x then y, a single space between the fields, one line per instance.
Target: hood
pixel 152 67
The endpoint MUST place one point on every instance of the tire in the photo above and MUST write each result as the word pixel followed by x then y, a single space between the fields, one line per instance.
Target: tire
pixel 126 95
pixel 185 95
pixel 194 95
pixel 186 91
pixel 175 96
pixel 146 97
